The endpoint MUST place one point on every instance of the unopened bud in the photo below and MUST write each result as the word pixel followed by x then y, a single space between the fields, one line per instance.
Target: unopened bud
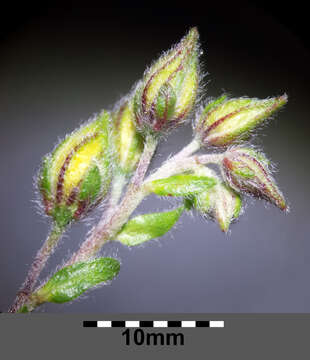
pixel 167 92
pixel 246 170
pixel 220 203
pixel 226 121
pixel 128 143
pixel 75 176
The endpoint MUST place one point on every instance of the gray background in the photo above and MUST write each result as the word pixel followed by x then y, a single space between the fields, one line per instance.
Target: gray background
pixel 246 336
pixel 62 65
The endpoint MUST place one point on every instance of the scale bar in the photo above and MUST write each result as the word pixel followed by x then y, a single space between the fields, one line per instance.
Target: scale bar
pixel 154 324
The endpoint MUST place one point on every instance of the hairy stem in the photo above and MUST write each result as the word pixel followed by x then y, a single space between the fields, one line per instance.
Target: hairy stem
pixel 109 226
pixel 188 150
pixel 36 268
pixel 178 164
pixel 118 184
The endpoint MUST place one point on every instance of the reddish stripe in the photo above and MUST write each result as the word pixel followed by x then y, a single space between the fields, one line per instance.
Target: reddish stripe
pixel 151 78
pixel 262 190
pixel 220 120
pixel 80 209
pixel 61 176
pixel 119 115
pixel 267 112
pixel 162 121
pixel 73 195
pixel 60 182
pixel 47 205
pixel 158 125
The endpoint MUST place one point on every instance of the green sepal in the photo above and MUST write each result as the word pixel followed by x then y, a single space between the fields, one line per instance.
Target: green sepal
pixel 127 142
pixel 245 172
pixel 63 215
pixel 181 185
pixel 204 201
pixel 257 155
pixel 165 103
pixel 238 206
pixel 155 110
pixel 44 182
pixel 148 226
pixel 189 202
pixel 91 186
pixel 232 120
pixel 221 203
pixel 137 99
pixel 76 174
pixel 72 281
pixel 213 104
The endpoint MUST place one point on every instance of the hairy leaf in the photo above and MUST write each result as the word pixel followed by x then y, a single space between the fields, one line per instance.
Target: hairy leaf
pixel 181 185
pixel 71 281
pixel 149 226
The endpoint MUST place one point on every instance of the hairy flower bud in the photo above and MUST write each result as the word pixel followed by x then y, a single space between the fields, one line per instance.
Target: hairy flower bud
pixel 226 121
pixel 167 92
pixel 220 202
pixel 75 176
pixel 246 170
pixel 128 143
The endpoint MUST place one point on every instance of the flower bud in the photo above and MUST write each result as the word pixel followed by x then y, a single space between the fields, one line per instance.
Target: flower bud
pixel 246 170
pixel 220 203
pixel 75 176
pixel 128 143
pixel 167 92
pixel 226 121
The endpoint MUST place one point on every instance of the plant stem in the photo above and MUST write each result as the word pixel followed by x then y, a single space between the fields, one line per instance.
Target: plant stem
pixel 119 181
pixel 188 150
pixel 180 163
pixel 179 158
pixel 36 267
pixel 109 226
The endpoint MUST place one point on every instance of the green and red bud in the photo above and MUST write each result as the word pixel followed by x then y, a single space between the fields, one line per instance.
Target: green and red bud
pixel 75 176
pixel 220 202
pixel 167 93
pixel 128 142
pixel 226 121
pixel 246 170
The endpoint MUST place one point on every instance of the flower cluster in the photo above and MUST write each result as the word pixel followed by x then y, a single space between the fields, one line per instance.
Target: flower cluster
pixel 76 176
pixel 116 148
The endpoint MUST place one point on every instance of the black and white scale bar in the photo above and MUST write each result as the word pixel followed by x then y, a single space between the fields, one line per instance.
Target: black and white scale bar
pixel 154 324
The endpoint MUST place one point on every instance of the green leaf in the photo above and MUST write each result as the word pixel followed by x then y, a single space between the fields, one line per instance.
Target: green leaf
pixel 181 185
pixel 71 281
pixel 149 226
